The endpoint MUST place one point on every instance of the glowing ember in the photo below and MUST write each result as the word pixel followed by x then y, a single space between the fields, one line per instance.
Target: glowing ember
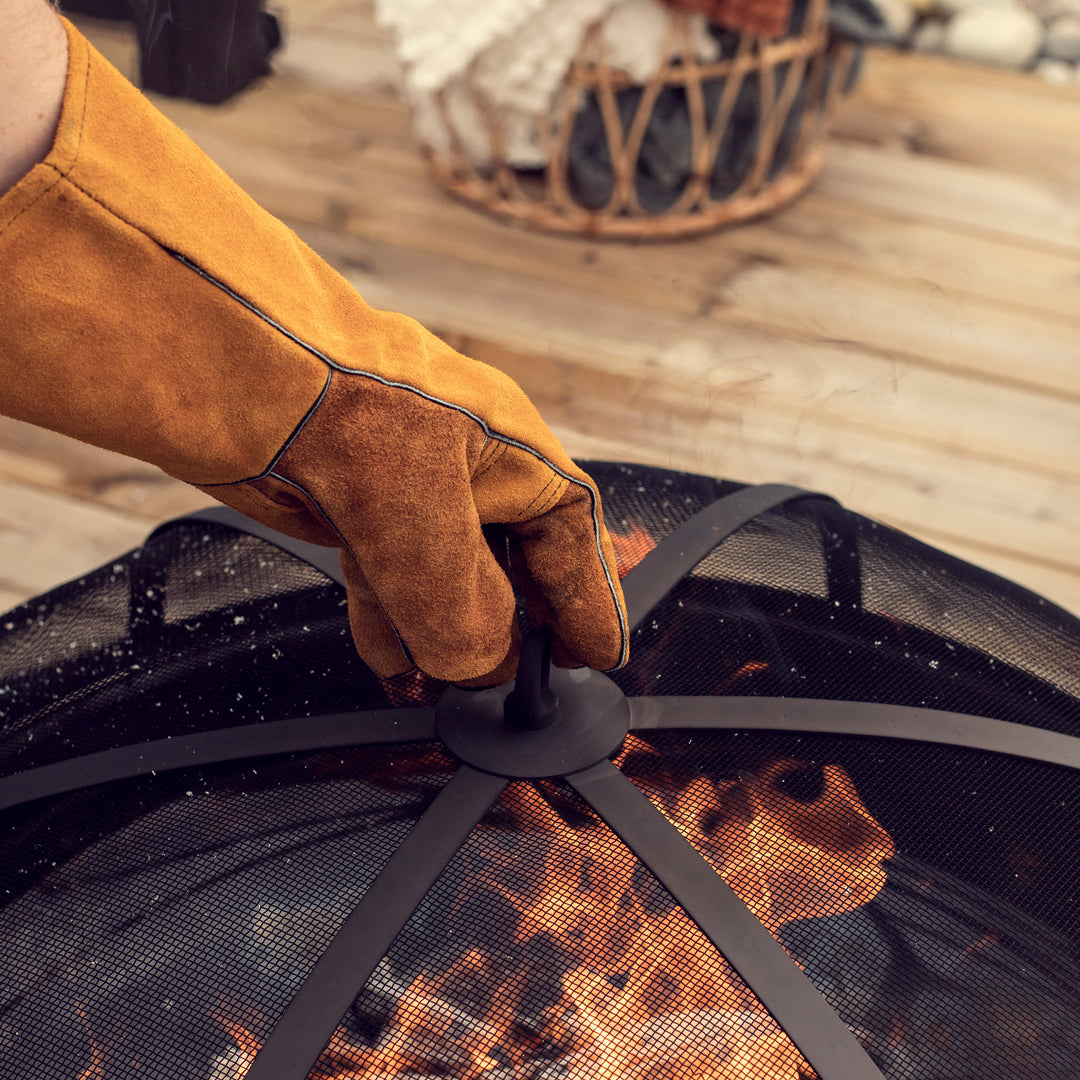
pixel 631 547
pixel 96 1069
pixel 641 994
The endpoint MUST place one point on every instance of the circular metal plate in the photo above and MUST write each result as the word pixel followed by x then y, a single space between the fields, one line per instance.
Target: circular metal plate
pixel 592 722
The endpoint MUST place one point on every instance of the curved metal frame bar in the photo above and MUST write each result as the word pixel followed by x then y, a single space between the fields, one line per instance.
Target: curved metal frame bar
pixel 683 548
pixel 301 735
pixel 338 730
pixel 324 559
pixel 764 965
pixel 858 718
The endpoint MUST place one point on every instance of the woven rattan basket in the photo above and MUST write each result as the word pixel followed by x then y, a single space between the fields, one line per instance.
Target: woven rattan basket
pixel 758 118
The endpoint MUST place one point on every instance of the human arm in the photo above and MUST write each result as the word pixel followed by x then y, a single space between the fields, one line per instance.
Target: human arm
pixel 33 64
pixel 161 313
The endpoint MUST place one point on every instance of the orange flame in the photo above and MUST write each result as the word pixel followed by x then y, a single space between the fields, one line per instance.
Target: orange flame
pixel 631 548
pixel 642 993
pixel 96 1069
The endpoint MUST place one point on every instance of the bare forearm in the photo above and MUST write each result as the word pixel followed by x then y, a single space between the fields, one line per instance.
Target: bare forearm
pixel 33 64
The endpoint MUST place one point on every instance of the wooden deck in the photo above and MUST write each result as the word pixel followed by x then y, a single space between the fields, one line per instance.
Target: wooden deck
pixel 906 337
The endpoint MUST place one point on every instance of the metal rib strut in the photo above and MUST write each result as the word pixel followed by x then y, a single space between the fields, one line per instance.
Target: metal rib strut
pixel 821 1036
pixel 365 937
pixel 301 735
pixel 680 551
pixel 324 559
pixel 857 718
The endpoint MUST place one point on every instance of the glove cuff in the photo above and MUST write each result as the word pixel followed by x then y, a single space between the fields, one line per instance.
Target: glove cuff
pixel 110 337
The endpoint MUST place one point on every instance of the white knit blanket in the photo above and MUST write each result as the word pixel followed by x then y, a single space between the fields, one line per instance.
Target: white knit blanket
pixel 510 58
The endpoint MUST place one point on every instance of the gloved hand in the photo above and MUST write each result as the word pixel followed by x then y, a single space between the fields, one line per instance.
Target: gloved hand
pixel 151 307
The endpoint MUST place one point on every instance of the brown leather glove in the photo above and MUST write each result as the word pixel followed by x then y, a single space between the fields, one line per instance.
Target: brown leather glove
pixel 151 307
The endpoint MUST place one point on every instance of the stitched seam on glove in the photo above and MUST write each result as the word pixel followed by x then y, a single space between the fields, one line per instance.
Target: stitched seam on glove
pixel 381 379
pixel 40 195
pixel 269 470
pixel 496 453
pixel 545 504
pixel 488 432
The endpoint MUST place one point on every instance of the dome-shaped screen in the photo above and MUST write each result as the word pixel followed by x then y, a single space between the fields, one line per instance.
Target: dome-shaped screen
pixel 823 825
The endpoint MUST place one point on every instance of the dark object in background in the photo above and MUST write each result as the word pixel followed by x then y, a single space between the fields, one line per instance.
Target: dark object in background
pixel 664 161
pixel 860 21
pixel 204 50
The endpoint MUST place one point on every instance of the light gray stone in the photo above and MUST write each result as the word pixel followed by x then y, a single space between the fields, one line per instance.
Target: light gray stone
pixel 899 16
pixel 1055 71
pixel 953 7
pixel 1004 36
pixel 1045 9
pixel 929 37
pixel 1063 39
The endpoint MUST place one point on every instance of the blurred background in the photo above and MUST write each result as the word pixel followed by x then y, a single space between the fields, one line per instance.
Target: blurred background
pixel 905 335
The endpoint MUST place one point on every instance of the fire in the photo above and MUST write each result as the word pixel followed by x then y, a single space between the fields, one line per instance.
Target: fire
pixel 788 858
pixel 634 991
pixel 96 1069
pixel 631 547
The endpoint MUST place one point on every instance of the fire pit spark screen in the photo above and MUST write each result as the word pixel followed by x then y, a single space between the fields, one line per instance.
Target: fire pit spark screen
pixel 821 827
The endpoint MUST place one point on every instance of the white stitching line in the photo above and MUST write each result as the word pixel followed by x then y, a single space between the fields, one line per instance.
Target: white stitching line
pixel 269 470
pixel 593 495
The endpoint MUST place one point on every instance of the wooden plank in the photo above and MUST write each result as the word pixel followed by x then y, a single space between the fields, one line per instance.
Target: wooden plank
pixel 342 63
pixel 351 19
pixel 46 539
pixel 54 462
pixel 820 270
pixel 923 322
pixel 1028 211
pixel 845 385
pixel 1051 583
pixel 10 598
pixel 828 298
pixel 1005 121
pixel 826 232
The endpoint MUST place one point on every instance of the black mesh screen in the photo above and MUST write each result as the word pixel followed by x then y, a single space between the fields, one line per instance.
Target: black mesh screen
pixel 546 949
pixel 158 927
pixel 159 948
pixel 931 894
pixel 168 948
pixel 814 601
pixel 202 627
